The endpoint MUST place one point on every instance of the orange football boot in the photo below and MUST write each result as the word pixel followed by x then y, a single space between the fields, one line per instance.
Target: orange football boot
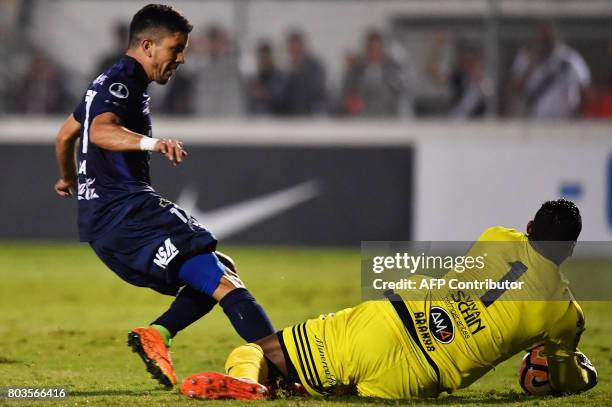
pixel 150 346
pixel 212 386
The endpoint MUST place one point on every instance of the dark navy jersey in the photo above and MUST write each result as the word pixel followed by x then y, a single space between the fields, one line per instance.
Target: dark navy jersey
pixel 110 184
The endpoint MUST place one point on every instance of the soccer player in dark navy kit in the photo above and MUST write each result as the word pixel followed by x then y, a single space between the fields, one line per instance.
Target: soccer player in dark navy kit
pixel 145 239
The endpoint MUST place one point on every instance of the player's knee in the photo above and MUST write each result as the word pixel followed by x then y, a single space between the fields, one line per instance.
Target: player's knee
pixel 202 273
pixel 228 283
pixel 227 261
pixel 230 280
pixel 208 274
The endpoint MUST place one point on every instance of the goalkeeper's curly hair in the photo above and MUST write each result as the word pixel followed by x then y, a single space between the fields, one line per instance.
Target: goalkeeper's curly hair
pixel 557 220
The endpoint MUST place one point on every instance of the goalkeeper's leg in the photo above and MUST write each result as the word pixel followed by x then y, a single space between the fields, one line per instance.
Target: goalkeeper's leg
pixel 248 369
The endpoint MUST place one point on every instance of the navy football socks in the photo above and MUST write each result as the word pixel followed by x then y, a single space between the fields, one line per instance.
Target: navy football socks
pixel 246 315
pixel 189 306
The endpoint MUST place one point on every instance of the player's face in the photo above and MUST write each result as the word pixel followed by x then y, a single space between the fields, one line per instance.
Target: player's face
pixel 166 56
pixel 558 251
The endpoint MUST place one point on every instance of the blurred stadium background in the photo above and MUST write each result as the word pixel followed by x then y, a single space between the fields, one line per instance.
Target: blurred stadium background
pixel 308 123
pixel 355 120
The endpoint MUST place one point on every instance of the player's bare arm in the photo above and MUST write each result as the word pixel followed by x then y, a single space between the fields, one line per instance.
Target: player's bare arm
pixel 64 153
pixel 108 133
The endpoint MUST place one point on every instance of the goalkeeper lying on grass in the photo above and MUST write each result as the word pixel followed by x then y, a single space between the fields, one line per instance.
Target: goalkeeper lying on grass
pixel 445 341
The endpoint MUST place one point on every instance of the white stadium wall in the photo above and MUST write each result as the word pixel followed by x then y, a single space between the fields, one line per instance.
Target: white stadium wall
pixel 365 180
pixel 467 182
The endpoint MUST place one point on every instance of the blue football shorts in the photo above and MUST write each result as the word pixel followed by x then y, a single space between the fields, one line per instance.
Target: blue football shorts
pixel 148 247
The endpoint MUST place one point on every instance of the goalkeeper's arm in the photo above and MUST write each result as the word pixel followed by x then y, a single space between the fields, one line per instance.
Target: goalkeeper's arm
pixel 569 370
pixel 571 374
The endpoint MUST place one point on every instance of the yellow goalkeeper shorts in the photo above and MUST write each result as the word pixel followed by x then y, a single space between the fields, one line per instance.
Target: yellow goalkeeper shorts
pixel 363 350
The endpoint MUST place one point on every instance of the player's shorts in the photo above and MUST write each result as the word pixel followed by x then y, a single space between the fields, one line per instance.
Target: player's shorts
pixel 150 244
pixel 363 350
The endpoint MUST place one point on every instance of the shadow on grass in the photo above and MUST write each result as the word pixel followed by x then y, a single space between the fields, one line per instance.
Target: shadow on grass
pixel 467 399
pixel 8 361
pixel 492 397
pixel 151 392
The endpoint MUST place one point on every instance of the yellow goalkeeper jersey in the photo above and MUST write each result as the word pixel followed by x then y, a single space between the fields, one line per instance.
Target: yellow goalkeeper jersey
pixel 449 338
pixel 466 332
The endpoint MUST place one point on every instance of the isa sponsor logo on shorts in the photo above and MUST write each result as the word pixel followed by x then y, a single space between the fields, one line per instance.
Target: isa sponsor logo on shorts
pixel 165 254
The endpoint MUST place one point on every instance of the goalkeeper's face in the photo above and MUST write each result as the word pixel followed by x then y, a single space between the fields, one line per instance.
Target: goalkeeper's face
pixel 555 250
pixel 166 54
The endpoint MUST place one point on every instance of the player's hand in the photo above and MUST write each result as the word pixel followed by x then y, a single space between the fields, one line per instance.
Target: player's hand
pixel 172 149
pixel 586 364
pixel 64 188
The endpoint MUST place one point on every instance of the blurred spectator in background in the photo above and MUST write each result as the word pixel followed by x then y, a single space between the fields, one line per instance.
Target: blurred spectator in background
pixel 304 91
pixel 550 79
pixel 218 85
pixel 43 88
pixel 211 84
pixel 465 78
pixel 374 84
pixel 599 104
pixel 120 34
pixel 180 94
pixel 265 88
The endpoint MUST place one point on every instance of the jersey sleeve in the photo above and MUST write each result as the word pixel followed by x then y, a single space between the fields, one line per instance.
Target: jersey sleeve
pixel 566 364
pixel 499 234
pixel 113 96
pixel 79 111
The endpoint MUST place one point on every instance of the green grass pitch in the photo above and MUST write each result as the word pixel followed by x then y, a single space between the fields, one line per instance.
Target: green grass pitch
pixel 64 320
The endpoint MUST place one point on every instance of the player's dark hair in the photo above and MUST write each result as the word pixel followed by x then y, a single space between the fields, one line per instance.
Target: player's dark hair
pixel 558 220
pixel 157 17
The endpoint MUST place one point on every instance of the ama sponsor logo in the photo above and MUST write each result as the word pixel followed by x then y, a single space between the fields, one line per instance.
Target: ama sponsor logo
pixel 441 325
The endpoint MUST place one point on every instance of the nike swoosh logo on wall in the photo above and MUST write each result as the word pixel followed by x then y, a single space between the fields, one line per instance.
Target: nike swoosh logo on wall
pixel 232 219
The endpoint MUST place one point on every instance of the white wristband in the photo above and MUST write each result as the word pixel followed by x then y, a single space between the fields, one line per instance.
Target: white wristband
pixel 148 143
